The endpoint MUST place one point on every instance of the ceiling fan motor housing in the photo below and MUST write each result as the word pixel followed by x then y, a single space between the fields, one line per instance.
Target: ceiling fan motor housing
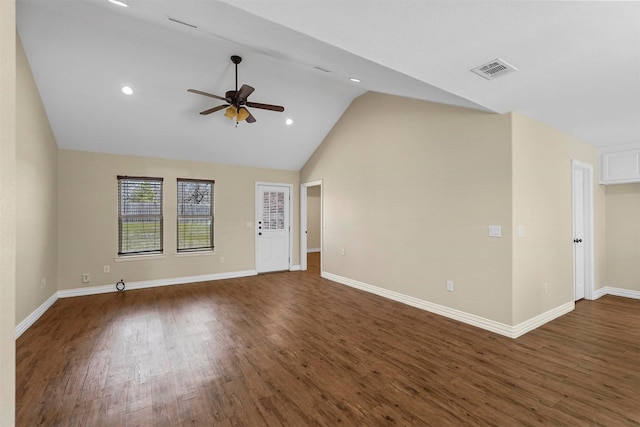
pixel 230 96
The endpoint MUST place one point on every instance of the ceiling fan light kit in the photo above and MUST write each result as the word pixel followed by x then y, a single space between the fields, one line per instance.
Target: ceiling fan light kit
pixel 230 112
pixel 243 114
pixel 236 100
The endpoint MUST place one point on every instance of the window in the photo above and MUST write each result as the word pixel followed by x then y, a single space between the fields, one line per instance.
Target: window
pixel 195 215
pixel 139 215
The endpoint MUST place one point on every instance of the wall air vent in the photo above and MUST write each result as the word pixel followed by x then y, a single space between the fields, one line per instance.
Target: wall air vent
pixel 494 69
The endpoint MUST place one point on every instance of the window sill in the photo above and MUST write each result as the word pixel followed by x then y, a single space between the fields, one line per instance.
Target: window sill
pixel 194 253
pixel 127 258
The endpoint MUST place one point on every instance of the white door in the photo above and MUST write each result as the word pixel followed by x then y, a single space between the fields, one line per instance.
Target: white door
pixel 579 231
pixel 272 228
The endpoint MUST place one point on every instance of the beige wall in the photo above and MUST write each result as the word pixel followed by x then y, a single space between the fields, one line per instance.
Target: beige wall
pixel 37 209
pixel 313 217
pixel 542 205
pixel 7 211
pixel 623 236
pixel 88 226
pixel 409 190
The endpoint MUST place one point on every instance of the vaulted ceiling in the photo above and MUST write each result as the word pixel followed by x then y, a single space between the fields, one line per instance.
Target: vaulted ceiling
pixel 578 68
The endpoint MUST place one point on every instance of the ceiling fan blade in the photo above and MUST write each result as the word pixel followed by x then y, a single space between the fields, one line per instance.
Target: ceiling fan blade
pixel 265 106
pixel 214 109
pixel 250 118
pixel 245 91
pixel 199 92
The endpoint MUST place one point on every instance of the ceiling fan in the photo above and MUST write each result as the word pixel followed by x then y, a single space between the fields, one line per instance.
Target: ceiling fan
pixel 236 100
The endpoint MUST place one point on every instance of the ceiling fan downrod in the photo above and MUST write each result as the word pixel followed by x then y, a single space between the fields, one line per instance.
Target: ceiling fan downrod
pixel 236 60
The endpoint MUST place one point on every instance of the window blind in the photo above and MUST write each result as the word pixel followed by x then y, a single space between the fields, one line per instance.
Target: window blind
pixel 139 215
pixel 195 215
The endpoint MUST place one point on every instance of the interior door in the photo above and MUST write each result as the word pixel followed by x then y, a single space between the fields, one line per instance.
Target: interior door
pixel 579 234
pixel 273 228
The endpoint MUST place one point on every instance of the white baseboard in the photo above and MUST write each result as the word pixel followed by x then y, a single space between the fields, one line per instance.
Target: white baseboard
pixel 311 250
pixel 295 268
pixel 461 316
pixel 539 320
pixel 94 290
pixel 35 315
pixel 597 293
pixel 619 292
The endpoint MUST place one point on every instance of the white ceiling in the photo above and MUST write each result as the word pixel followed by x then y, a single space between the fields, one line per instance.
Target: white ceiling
pixel 578 62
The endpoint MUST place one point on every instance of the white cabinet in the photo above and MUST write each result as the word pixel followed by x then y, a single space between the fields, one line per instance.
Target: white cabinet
pixel 620 165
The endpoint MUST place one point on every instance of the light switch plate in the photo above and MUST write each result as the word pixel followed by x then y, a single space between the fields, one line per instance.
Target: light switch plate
pixel 495 231
pixel 521 231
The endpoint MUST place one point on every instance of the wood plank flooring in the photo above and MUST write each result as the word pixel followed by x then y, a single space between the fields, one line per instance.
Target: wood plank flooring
pixel 293 349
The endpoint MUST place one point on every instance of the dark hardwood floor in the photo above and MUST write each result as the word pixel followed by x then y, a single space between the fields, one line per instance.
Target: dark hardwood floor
pixel 294 349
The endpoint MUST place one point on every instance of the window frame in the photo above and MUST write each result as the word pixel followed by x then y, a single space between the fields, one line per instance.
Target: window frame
pixel 159 218
pixel 182 216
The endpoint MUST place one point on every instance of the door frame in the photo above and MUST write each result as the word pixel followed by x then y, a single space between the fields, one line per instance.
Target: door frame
pixel 589 275
pixel 255 217
pixel 303 222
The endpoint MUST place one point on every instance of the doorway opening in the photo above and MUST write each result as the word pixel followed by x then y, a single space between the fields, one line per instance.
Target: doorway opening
pixel 311 222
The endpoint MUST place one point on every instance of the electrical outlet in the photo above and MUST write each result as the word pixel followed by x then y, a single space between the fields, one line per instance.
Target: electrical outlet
pixel 342 251
pixel 495 231
pixel 221 260
pixel 43 282
pixel 449 285
pixel 86 277
pixel 107 269
pixel 546 288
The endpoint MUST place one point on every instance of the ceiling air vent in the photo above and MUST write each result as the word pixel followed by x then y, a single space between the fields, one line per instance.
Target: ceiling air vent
pixel 494 69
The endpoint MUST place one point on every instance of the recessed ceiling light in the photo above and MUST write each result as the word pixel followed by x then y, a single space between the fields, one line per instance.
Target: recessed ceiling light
pixel 127 90
pixel 355 80
pixel 288 122
pixel 119 3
